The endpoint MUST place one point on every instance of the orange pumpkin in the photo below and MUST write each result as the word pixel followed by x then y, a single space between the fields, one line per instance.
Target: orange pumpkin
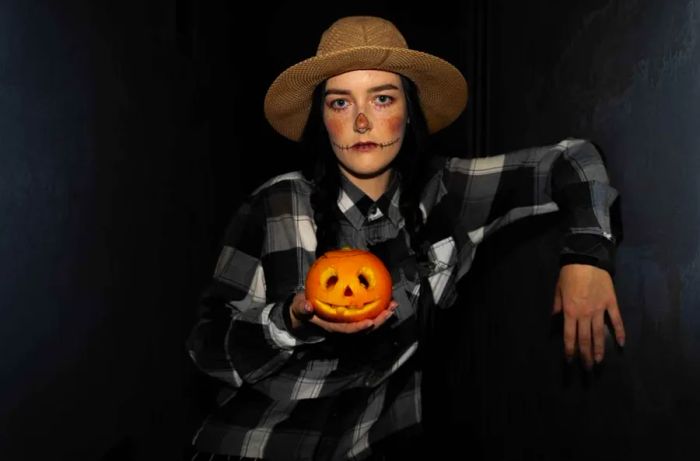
pixel 348 285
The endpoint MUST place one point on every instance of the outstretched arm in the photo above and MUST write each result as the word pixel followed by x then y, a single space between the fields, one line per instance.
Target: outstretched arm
pixel 486 194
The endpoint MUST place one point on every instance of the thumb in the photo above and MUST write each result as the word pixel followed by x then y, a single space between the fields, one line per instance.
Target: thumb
pixel 556 308
pixel 301 308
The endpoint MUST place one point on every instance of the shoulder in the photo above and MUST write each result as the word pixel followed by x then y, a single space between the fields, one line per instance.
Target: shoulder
pixel 288 183
pixel 281 196
pixel 569 143
pixel 578 147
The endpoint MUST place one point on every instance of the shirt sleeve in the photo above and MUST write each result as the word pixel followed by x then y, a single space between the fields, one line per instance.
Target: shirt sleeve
pixel 491 192
pixel 240 334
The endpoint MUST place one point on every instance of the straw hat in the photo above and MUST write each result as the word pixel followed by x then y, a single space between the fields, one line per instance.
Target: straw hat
pixel 365 42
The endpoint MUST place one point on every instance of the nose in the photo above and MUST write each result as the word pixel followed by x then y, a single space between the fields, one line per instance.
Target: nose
pixel 348 291
pixel 362 123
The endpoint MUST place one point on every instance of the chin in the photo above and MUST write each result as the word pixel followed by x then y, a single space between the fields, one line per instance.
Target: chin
pixel 367 173
pixel 368 169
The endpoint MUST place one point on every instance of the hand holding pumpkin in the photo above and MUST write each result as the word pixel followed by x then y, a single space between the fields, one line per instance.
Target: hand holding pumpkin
pixel 301 311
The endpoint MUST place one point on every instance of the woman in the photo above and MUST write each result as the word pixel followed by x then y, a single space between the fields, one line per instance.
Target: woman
pixel 301 387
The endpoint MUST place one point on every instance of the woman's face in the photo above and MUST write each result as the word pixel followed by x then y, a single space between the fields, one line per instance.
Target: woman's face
pixel 364 112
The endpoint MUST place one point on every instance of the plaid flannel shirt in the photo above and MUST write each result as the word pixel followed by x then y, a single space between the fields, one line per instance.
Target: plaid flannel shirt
pixel 309 395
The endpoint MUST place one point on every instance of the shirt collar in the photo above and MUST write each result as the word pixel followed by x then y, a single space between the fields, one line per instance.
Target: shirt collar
pixel 360 209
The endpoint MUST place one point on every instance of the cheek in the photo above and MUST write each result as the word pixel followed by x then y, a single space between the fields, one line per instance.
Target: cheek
pixel 334 127
pixel 395 125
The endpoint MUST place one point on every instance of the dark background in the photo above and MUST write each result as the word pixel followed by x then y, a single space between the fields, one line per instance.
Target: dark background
pixel 129 132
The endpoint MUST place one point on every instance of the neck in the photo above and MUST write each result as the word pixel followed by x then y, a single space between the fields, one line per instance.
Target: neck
pixel 373 187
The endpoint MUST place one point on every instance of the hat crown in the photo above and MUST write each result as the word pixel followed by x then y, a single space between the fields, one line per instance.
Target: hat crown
pixel 358 31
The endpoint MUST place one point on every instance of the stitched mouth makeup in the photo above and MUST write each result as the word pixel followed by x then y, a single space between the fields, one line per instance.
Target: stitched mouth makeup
pixel 367 146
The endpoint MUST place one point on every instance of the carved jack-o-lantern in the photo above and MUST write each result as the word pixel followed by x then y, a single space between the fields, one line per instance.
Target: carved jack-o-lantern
pixel 348 285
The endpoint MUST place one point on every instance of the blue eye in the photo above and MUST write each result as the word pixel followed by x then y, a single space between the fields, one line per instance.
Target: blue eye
pixel 338 103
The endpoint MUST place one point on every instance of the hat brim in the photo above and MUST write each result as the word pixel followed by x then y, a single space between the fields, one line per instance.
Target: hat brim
pixel 442 89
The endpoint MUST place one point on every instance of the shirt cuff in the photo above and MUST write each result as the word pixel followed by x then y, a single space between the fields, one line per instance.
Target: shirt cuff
pixel 591 249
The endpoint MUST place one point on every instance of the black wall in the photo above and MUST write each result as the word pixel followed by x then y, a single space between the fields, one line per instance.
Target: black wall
pixel 130 131
pixel 104 229
pixel 624 74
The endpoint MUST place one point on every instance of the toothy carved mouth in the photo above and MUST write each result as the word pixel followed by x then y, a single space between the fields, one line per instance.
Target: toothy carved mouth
pixel 354 309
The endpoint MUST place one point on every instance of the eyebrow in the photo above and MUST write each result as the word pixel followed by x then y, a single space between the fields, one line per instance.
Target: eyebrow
pixel 374 89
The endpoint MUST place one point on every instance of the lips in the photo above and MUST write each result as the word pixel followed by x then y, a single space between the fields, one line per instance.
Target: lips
pixel 364 146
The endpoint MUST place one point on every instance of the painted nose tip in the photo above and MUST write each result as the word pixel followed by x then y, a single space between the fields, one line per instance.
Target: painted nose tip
pixel 362 123
pixel 348 292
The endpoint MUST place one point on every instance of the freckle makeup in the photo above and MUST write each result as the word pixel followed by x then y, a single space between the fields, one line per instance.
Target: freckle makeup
pixel 334 127
pixel 396 124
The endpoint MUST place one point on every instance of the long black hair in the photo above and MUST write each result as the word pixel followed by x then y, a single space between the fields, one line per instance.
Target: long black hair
pixel 322 169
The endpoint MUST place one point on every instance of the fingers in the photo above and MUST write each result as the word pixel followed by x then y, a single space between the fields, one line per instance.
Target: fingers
pixel 347 328
pixel 301 307
pixel 300 310
pixel 585 294
pixel 616 321
pixel 584 342
pixel 591 339
pixel 598 326
pixel 569 337
pixel 588 335
pixel 355 327
pixel 385 315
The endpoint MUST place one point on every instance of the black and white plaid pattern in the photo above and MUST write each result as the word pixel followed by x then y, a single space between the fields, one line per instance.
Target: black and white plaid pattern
pixel 319 396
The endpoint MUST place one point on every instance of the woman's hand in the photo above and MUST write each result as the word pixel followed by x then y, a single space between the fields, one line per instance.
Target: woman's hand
pixel 585 293
pixel 302 311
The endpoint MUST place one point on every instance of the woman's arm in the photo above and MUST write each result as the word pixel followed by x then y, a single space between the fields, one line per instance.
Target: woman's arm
pixel 240 334
pixel 569 177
